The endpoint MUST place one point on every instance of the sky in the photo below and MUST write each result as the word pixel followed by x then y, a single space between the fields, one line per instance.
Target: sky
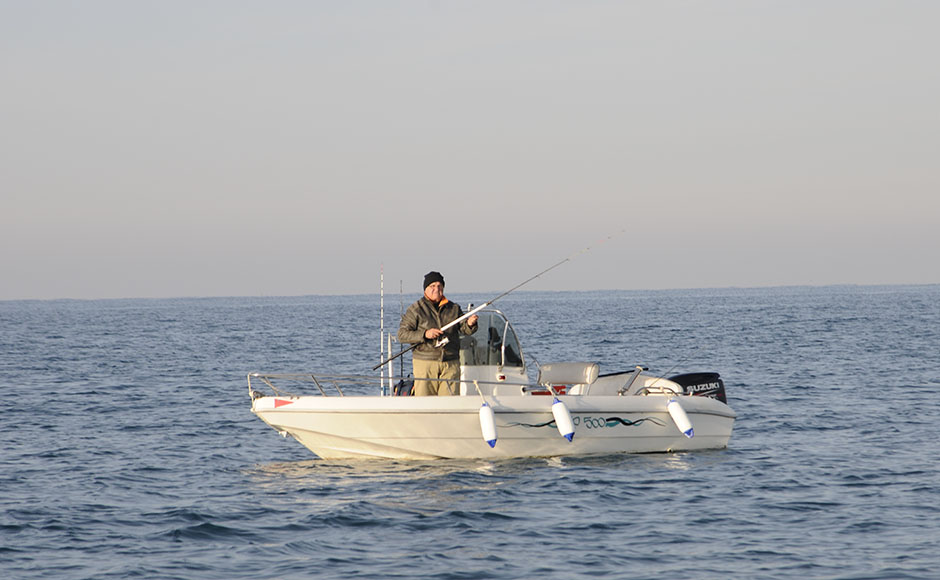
pixel 231 148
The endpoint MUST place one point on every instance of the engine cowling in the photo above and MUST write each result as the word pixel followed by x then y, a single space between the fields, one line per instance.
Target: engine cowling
pixel 702 385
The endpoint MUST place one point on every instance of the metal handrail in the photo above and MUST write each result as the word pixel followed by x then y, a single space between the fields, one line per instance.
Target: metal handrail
pixel 335 381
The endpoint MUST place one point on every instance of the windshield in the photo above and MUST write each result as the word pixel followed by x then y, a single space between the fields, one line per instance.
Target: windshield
pixel 493 340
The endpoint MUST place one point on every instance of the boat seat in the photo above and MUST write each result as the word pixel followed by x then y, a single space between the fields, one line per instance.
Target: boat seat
pixel 568 373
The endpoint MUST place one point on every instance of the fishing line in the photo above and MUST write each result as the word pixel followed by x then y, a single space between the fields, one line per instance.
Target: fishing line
pixel 507 292
pixel 676 364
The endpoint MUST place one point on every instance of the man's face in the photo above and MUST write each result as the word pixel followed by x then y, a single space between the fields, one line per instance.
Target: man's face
pixel 434 292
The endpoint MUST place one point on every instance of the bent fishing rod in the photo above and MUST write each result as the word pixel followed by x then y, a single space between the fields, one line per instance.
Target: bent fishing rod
pixel 491 301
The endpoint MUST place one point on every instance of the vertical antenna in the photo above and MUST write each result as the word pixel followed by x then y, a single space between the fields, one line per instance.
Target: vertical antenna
pixel 391 387
pixel 382 327
pixel 401 315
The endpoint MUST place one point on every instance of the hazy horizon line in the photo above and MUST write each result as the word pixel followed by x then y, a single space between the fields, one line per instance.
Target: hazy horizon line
pixel 486 293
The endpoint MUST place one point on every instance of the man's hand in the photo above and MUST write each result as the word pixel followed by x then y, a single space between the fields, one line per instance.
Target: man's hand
pixel 472 320
pixel 433 333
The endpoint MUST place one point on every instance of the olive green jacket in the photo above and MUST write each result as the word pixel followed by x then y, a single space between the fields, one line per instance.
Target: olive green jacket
pixel 423 315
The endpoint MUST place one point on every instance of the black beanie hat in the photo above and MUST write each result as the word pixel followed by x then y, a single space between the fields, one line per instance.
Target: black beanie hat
pixel 432 277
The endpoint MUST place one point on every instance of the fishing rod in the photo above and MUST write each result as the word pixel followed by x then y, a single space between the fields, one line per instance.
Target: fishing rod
pixel 503 295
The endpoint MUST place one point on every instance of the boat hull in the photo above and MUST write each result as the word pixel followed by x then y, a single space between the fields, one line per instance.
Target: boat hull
pixel 449 427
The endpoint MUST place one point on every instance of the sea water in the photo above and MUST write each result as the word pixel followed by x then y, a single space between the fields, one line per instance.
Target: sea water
pixel 129 451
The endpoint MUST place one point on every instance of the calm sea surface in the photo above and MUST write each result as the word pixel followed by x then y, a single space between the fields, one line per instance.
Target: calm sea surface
pixel 128 449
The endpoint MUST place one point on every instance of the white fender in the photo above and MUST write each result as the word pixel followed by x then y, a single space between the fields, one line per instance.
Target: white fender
pixel 680 418
pixel 563 419
pixel 488 424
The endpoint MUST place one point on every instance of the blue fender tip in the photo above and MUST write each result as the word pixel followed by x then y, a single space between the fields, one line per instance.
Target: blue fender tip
pixel 492 442
pixel 569 437
pixel 690 433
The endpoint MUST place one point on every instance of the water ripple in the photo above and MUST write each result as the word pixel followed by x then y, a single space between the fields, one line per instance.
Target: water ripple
pixel 129 451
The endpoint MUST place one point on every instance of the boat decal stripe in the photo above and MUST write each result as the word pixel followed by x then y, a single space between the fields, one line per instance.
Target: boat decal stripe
pixel 612 421
pixel 595 422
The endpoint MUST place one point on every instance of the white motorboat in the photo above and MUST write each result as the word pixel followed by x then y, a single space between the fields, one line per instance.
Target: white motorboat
pixel 570 410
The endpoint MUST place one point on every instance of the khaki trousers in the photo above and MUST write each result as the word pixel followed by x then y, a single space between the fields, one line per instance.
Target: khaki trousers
pixel 432 369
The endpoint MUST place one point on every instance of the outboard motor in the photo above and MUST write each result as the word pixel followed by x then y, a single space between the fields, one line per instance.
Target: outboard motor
pixel 702 385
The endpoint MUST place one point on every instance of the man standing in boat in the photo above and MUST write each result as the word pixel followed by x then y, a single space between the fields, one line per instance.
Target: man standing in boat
pixel 437 354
